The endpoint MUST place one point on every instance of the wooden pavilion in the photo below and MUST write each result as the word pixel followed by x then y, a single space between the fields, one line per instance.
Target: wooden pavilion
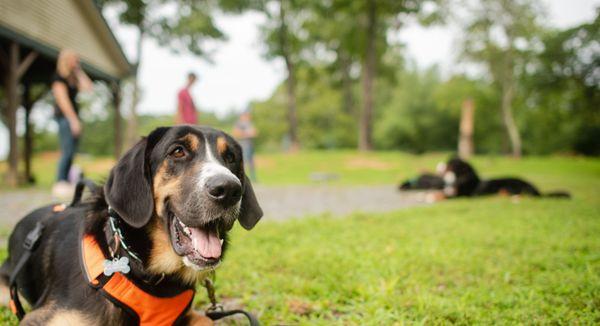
pixel 32 32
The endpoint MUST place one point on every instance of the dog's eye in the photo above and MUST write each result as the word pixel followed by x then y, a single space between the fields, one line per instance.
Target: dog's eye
pixel 178 152
pixel 228 157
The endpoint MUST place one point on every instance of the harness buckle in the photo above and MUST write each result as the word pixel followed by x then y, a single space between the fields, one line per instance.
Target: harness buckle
pixel 33 237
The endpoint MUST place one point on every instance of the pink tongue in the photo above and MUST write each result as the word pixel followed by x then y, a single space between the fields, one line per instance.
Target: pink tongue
pixel 206 243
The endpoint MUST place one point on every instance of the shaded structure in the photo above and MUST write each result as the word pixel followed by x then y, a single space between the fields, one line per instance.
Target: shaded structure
pixel 32 33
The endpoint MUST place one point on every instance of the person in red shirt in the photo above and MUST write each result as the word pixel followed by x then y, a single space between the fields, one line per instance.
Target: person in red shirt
pixel 186 110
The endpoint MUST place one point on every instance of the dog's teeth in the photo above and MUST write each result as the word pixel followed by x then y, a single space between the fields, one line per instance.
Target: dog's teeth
pixel 182 225
pixel 222 240
pixel 187 230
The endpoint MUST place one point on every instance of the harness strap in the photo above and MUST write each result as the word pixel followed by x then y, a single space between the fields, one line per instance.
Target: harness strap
pixel 149 309
pixel 30 244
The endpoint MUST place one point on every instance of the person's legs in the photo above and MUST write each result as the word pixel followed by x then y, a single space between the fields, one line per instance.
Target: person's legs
pixel 68 146
pixel 248 151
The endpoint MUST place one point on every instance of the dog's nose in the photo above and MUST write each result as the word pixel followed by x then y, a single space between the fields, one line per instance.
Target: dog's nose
pixel 226 190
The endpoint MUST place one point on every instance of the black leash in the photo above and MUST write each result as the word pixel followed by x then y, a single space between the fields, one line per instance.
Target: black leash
pixel 80 187
pixel 216 315
pixel 216 312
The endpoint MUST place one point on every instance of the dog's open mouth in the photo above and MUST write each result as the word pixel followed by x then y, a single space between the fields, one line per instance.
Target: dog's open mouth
pixel 201 246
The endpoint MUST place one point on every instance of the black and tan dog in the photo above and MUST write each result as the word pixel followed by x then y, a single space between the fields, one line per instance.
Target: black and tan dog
pixel 171 200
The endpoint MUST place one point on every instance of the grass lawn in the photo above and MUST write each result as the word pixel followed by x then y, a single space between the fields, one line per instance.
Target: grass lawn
pixel 481 261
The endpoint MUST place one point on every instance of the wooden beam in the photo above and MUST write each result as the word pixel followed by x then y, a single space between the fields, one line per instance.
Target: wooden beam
pixel 26 63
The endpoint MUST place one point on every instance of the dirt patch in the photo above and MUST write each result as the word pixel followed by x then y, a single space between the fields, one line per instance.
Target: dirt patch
pixel 356 163
pixel 264 163
pixel 299 307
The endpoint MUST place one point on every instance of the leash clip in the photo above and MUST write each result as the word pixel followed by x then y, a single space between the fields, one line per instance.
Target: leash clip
pixel 216 310
pixel 210 291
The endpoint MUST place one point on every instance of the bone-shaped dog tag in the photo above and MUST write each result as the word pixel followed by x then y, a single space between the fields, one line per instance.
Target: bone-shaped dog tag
pixel 116 265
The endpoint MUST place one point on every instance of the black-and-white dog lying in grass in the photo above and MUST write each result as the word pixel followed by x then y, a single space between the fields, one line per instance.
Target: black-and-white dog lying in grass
pixel 426 181
pixel 460 179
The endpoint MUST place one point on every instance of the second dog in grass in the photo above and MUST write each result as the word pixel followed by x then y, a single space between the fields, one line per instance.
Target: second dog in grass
pixel 459 179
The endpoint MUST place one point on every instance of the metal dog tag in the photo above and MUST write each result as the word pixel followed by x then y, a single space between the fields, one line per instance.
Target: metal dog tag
pixel 116 265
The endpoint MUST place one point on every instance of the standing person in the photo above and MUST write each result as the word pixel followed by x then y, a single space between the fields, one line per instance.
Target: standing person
pixel 245 133
pixel 67 81
pixel 186 110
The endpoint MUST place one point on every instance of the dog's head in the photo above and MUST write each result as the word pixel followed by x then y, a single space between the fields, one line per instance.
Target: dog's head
pixel 187 186
pixel 458 175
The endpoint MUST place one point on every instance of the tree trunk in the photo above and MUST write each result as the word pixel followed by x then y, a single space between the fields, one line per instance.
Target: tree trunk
pixel 365 142
pixel 348 94
pixel 133 121
pixel 507 117
pixel 467 126
pixel 291 79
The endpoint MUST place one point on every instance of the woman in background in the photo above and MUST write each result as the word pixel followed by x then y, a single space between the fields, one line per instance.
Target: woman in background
pixel 68 80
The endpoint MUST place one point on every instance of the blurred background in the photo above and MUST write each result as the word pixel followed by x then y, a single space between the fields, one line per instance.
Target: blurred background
pixel 348 98
pixel 326 75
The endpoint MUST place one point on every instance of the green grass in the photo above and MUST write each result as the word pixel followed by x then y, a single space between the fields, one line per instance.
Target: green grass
pixel 485 261
pixel 490 260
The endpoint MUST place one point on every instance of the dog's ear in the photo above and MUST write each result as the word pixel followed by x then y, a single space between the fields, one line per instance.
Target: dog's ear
pixel 128 189
pixel 250 211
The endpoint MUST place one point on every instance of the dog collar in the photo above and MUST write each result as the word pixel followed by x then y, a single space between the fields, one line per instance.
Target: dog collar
pixel 119 289
pixel 113 221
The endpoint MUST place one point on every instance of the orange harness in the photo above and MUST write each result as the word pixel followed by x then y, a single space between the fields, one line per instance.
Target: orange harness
pixel 150 309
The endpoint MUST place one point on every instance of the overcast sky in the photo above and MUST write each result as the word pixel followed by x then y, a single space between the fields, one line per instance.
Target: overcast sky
pixel 240 74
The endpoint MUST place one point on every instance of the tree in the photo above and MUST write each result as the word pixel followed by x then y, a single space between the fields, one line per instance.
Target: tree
pixel 357 34
pixel 503 36
pixel 280 33
pixel 334 55
pixel 191 24
pixel 564 92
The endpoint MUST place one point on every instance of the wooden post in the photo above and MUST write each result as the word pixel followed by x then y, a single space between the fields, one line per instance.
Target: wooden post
pixel 28 105
pixel 467 119
pixel 11 84
pixel 116 94
pixel 15 70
